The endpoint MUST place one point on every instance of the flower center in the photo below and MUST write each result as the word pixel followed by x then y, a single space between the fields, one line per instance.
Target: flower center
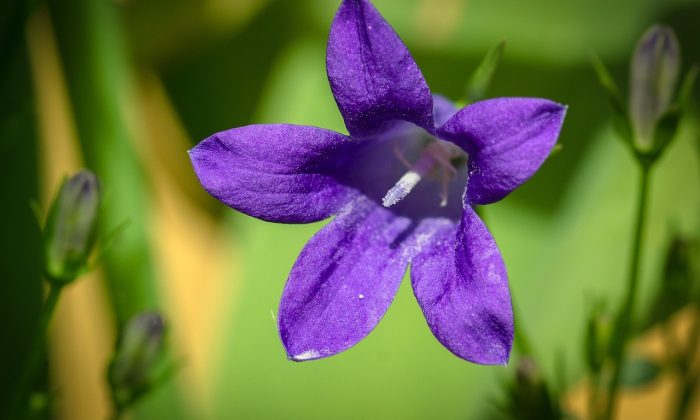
pixel 438 159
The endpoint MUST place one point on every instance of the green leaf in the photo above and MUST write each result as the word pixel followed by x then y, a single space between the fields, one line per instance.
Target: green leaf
pixel 686 90
pixel 620 116
pixel 639 372
pixel 674 290
pixel 20 242
pixel 667 125
pixel 481 78
pixel 598 337
pixel 666 129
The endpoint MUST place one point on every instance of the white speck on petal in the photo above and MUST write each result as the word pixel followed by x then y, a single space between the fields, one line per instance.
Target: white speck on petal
pixel 361 296
pixel 307 355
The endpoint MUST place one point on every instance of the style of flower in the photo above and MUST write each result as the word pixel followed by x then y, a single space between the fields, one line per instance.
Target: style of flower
pixel 401 187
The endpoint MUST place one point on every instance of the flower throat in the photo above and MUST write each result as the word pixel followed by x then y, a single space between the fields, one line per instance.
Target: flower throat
pixel 439 159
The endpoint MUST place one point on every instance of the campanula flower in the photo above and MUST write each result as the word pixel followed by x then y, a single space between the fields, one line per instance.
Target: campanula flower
pixel 401 186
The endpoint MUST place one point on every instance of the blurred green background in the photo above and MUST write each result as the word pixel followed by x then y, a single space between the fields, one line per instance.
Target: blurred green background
pixel 126 87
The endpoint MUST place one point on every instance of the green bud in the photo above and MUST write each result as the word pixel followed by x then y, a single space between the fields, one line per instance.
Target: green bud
pixel 654 73
pixel 71 227
pixel 598 336
pixel 134 368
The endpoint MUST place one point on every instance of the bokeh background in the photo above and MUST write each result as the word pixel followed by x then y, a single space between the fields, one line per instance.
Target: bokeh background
pixel 126 87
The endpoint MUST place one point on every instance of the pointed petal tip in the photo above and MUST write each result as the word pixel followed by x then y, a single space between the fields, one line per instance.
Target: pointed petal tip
pixel 498 356
pixel 504 359
pixel 553 107
pixel 508 140
pixel 563 109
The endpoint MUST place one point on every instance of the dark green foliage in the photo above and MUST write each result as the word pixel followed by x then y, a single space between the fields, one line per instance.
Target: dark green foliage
pixel 529 397
pixel 677 286
pixel 20 239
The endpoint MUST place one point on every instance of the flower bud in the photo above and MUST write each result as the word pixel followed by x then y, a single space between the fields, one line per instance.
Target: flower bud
pixel 598 338
pixel 139 352
pixel 530 396
pixel 527 373
pixel 71 227
pixel 654 73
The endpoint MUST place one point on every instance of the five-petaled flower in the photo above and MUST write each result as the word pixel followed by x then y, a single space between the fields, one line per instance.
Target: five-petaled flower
pixel 401 187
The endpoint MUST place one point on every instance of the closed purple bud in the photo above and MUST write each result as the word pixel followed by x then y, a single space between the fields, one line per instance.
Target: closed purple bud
pixel 654 73
pixel 71 227
pixel 139 351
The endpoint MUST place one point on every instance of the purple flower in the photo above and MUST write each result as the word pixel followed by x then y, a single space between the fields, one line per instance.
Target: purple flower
pixel 401 187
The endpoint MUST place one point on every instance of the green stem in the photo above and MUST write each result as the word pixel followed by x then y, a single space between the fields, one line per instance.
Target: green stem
pixel 693 341
pixel 34 360
pixel 12 35
pixel 685 398
pixel 594 397
pixel 118 412
pixel 622 332
pixel 688 376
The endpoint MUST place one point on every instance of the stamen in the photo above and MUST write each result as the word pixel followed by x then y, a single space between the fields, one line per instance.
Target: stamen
pixel 446 177
pixel 399 154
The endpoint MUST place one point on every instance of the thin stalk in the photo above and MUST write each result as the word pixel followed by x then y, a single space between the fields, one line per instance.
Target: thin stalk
pixel 693 341
pixel 687 390
pixel 594 397
pixel 688 375
pixel 11 37
pixel 33 363
pixel 118 412
pixel 618 353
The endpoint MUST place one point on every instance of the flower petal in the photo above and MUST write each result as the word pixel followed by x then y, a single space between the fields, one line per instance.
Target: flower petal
pixel 278 173
pixel 373 77
pixel 344 280
pixel 461 284
pixel 443 109
pixel 507 139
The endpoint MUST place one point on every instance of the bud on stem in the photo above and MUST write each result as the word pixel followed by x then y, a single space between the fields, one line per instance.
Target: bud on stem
pixel 71 228
pixel 134 368
pixel 654 74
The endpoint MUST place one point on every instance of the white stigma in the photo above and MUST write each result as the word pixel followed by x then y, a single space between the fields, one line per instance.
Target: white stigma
pixel 402 188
